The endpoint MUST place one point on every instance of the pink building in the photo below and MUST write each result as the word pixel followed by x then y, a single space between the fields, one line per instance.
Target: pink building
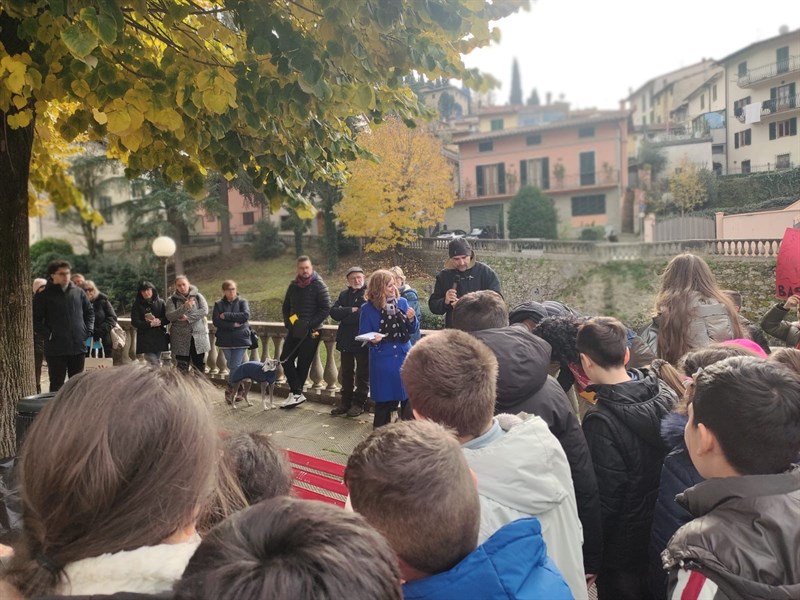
pixel 579 159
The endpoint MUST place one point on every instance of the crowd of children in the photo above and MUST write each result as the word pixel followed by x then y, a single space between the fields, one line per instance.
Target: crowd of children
pixel 535 459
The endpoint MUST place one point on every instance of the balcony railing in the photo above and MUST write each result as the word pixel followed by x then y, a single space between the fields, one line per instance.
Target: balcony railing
pixel 604 177
pixel 780 105
pixel 768 71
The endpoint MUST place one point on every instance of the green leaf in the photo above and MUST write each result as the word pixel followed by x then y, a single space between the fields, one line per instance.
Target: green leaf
pixel 79 40
pixel 105 28
pixel 364 97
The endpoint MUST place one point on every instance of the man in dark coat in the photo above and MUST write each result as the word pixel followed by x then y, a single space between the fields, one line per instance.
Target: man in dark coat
pixel 622 430
pixel 305 307
pixel 523 385
pixel 461 274
pixel 355 355
pixel 64 317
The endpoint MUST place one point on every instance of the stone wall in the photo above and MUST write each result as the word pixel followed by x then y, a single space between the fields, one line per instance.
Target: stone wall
pixel 623 289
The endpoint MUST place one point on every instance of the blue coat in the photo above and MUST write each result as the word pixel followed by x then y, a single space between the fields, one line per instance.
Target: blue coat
pixel 411 296
pixel 677 475
pixel 236 313
pixel 512 564
pixel 385 357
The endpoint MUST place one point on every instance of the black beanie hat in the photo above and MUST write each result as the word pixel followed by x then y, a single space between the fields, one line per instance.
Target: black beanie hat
pixel 534 311
pixel 459 247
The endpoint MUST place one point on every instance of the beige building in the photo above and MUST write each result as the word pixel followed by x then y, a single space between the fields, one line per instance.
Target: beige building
pixel 762 84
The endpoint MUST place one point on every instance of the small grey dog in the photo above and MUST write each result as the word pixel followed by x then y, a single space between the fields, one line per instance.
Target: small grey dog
pixel 264 373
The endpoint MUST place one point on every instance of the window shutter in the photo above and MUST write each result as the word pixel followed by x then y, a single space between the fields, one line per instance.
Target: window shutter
pixel 793 126
pixel 523 173
pixel 479 181
pixel 747 137
pixel 735 140
pixel 501 178
pixel 772 134
pixel 545 173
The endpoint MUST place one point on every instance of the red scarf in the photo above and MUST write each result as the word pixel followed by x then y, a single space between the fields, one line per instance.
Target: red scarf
pixel 304 283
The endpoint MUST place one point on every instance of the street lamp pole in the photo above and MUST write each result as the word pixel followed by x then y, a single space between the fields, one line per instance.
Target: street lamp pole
pixel 164 247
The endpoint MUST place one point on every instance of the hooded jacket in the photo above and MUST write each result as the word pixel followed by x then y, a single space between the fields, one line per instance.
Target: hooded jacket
pixel 525 473
pixel 677 475
pixel 745 537
pixel 64 318
pixel 624 437
pixel 478 276
pixel 150 340
pixel 523 385
pixel 510 565
pixel 194 328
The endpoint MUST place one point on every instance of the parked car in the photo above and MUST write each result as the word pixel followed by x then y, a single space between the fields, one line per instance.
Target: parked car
pixel 452 234
pixel 481 233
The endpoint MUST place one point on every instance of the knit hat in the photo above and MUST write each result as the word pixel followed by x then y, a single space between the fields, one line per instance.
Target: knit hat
pixel 459 247
pixel 534 311
pixel 37 283
pixel 352 270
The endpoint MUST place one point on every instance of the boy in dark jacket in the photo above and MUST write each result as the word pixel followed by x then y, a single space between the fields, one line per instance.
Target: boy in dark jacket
pixel 743 435
pixel 622 430
pixel 355 355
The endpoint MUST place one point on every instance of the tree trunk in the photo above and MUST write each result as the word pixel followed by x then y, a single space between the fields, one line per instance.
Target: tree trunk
pixel 174 219
pixel 16 331
pixel 16 323
pixel 226 242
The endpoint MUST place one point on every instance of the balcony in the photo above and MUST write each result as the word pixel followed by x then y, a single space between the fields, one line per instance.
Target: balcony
pixel 757 75
pixel 557 185
pixel 780 106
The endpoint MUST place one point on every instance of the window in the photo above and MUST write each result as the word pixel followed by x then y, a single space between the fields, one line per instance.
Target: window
pixel 535 171
pixel 782 59
pixel 714 93
pixel 782 97
pixel 491 179
pixel 248 218
pixel 745 166
pixel 783 128
pixel 584 132
pixel 718 149
pixel 783 161
pixel 742 138
pixel 742 69
pixel 485 146
pixel 588 205
pixel 738 107
pixel 497 124
pixel 702 101
pixel 105 209
pixel 587 168
pixel 533 139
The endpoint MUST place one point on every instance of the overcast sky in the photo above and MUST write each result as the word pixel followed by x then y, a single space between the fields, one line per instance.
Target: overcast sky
pixel 594 52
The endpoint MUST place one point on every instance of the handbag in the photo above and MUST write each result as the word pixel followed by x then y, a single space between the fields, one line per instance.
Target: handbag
pixel 254 340
pixel 118 336
pixel 97 358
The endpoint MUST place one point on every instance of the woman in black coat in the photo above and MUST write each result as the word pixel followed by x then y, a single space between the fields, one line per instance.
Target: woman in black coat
pixel 104 316
pixel 149 318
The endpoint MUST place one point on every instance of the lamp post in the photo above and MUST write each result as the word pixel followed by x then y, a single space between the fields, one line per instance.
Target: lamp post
pixel 164 247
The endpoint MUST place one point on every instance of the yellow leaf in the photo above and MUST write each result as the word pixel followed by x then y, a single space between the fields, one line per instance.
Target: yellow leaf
pixel 133 140
pixel 80 88
pixel 99 116
pixel 140 98
pixel 118 121
pixel 167 118
pixel 21 119
pixel 19 101
pixel 204 80
pixel 216 103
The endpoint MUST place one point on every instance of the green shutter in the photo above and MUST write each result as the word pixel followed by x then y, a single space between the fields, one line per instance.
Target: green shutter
pixel 545 173
pixel 479 181
pixel 793 126
pixel 523 173
pixel 772 133
pixel 501 178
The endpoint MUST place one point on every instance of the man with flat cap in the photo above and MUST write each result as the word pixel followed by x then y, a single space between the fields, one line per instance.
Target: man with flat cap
pixel 355 355
pixel 461 274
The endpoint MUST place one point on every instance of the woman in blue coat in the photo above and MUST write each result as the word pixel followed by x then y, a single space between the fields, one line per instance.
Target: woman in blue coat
pixel 394 322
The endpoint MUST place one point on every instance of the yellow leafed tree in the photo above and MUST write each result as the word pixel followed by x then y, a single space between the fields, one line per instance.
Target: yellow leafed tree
pixel 407 188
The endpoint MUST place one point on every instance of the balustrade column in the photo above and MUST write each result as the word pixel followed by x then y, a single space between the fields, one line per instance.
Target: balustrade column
pixel 317 372
pixel 331 374
pixel 211 356
pixel 278 341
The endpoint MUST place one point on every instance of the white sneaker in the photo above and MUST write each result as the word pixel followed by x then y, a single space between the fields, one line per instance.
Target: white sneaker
pixel 294 400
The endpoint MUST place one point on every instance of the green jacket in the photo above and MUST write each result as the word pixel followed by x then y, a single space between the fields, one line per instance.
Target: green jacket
pixel 773 324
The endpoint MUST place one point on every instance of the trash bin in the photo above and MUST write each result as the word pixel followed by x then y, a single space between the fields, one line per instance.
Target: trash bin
pixel 27 409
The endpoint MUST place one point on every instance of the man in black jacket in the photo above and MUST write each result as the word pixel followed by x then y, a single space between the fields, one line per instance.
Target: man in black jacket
pixel 622 430
pixel 461 274
pixel 305 307
pixel 64 317
pixel 523 385
pixel 355 355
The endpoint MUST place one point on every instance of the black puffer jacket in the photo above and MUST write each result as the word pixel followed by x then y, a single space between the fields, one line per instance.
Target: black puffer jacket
pixel 150 340
pixel 104 320
pixel 311 304
pixel 523 385
pixel 477 277
pixel 624 437
pixel 342 311
pixel 64 318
